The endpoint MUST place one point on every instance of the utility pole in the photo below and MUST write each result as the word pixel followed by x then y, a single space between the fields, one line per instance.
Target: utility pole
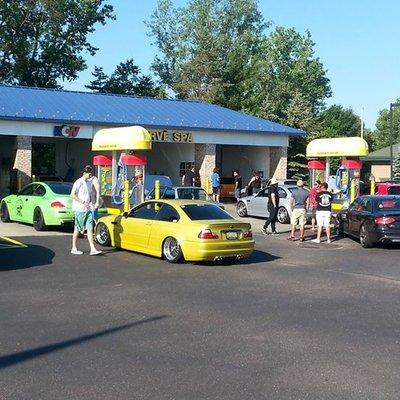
pixel 392 106
pixel 362 123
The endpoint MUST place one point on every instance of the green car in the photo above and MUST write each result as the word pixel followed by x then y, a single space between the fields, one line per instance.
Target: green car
pixel 41 204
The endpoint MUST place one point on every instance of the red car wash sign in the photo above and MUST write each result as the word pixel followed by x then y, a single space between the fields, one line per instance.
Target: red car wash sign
pixel 66 131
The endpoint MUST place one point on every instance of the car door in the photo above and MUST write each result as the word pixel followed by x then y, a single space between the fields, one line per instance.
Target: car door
pixel 257 205
pixel 34 200
pixel 134 228
pixel 22 203
pixel 354 216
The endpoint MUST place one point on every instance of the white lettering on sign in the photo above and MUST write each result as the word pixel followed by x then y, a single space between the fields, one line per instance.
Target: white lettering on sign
pixel 171 136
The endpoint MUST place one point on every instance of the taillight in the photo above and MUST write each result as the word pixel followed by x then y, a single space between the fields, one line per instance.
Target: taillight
pixel 207 234
pixel 57 204
pixel 248 234
pixel 384 220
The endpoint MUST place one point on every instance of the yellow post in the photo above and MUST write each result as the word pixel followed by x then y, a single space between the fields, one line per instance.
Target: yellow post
pixel 126 196
pixel 208 185
pixel 157 189
pixel 373 185
pixel 352 190
pixel 33 178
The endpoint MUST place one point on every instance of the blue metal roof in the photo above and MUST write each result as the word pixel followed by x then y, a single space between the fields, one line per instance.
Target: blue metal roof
pixel 50 105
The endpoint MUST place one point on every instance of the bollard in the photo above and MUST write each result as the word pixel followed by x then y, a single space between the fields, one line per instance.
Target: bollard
pixel 126 196
pixel 33 178
pixel 157 190
pixel 352 190
pixel 373 185
pixel 208 185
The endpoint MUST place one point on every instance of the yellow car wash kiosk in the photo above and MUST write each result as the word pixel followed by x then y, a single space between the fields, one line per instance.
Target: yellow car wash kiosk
pixel 121 174
pixel 346 182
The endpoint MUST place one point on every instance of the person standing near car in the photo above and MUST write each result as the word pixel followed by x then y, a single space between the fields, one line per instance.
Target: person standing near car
pixel 273 205
pixel 215 183
pixel 189 179
pixel 299 204
pixel 94 195
pixel 254 185
pixel 238 184
pixel 324 207
pixel 81 204
pixel 313 202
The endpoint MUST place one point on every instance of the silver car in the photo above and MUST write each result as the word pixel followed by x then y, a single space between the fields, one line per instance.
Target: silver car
pixel 183 192
pixel 257 204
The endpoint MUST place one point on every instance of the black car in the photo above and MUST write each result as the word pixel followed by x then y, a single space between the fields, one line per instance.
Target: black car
pixel 372 219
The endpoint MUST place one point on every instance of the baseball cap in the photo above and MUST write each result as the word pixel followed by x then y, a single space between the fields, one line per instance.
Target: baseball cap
pixel 300 183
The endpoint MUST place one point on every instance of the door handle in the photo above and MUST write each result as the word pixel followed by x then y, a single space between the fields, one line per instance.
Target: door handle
pixel 147 223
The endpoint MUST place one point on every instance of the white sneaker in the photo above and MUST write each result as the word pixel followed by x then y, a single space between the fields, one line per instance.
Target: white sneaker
pixel 328 241
pixel 316 241
pixel 95 252
pixel 76 252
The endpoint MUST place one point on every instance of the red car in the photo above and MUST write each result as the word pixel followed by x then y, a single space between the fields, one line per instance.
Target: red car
pixel 387 188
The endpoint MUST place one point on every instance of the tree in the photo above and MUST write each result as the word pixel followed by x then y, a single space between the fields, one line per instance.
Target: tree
pixel 206 47
pixel 396 166
pixel 126 79
pixel 381 136
pixel 42 41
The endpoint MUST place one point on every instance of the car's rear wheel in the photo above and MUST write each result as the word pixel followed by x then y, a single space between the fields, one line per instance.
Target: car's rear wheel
pixel 365 237
pixel 241 209
pixel 171 250
pixel 102 235
pixel 5 215
pixel 38 220
pixel 283 215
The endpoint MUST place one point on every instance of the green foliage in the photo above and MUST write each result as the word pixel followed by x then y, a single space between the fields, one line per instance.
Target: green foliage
pixel 41 41
pixel 297 167
pixel 381 136
pixel 396 166
pixel 126 79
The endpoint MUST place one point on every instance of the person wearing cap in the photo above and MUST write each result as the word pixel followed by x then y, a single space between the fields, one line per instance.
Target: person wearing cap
pixel 273 205
pixel 82 205
pixel 313 202
pixel 136 192
pixel 299 204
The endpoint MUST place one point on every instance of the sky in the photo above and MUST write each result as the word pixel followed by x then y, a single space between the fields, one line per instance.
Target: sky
pixel 356 40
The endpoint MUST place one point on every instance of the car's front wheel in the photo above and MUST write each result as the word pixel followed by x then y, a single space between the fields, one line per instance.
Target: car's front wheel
pixel 102 235
pixel 171 250
pixel 283 215
pixel 38 220
pixel 5 215
pixel 241 209
pixel 365 237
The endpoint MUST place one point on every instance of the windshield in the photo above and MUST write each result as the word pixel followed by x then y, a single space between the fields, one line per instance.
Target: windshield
pixel 192 194
pixel 198 212
pixel 60 187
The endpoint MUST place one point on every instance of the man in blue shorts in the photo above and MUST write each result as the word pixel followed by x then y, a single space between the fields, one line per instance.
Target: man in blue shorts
pixel 82 206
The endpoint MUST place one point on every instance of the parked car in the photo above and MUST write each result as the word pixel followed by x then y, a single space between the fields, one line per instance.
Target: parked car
pixel 388 188
pixel 183 192
pixel 372 219
pixel 257 204
pixel 41 204
pixel 177 230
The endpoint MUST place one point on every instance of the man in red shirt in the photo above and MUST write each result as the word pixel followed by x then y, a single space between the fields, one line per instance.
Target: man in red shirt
pixel 313 202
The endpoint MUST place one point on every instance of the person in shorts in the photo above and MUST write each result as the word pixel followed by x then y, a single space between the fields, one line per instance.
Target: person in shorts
pixel 215 184
pixel 313 202
pixel 81 194
pixel 299 203
pixel 238 184
pixel 324 207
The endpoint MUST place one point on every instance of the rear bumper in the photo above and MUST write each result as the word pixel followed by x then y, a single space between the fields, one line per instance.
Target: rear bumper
pixel 208 251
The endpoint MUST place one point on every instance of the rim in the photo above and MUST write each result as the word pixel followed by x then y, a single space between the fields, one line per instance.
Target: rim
pixel 171 249
pixel 101 234
pixel 282 215
pixel 241 209
pixel 363 235
pixel 3 210
pixel 36 217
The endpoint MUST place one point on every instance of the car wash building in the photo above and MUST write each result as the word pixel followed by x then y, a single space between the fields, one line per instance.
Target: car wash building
pixel 48 133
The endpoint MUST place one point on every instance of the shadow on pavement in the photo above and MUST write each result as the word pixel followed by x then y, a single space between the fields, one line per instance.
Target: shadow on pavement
pixel 16 257
pixel 256 257
pixel 22 356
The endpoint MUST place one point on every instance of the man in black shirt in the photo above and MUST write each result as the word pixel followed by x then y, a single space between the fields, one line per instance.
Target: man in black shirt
pixel 238 184
pixel 189 179
pixel 273 205
pixel 323 213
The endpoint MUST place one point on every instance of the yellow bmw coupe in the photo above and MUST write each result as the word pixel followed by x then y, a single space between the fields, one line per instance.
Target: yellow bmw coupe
pixel 177 230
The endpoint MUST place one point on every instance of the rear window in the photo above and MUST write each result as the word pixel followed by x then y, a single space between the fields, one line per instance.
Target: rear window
pixel 192 194
pixel 60 187
pixel 394 190
pixel 198 212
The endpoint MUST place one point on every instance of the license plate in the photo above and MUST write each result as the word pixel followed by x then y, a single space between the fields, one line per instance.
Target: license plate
pixel 231 235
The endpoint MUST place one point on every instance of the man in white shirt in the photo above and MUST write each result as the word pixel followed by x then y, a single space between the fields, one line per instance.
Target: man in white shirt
pixel 81 194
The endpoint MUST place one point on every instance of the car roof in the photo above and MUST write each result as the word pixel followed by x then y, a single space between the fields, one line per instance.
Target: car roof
pixel 180 202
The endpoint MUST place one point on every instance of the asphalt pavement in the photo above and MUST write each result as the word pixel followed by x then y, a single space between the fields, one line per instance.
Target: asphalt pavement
pixel 294 321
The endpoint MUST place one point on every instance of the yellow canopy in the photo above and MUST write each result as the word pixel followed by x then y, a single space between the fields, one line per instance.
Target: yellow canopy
pixel 124 138
pixel 337 147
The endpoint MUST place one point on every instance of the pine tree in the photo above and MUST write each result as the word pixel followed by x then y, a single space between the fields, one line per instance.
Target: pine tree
pixel 396 166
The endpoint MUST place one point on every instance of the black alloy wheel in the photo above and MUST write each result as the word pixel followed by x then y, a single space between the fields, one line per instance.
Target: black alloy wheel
pixel 365 237
pixel 5 215
pixel 102 234
pixel 38 220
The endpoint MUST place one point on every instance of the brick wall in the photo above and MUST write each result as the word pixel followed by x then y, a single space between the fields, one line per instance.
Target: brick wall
pixel 23 159
pixel 278 162
pixel 204 160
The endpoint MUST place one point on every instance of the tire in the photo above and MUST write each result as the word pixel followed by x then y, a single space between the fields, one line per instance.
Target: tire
pixel 171 250
pixel 365 238
pixel 241 209
pixel 5 215
pixel 102 234
pixel 283 215
pixel 38 220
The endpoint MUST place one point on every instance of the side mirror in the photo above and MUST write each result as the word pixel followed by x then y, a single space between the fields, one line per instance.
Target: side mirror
pixel 125 214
